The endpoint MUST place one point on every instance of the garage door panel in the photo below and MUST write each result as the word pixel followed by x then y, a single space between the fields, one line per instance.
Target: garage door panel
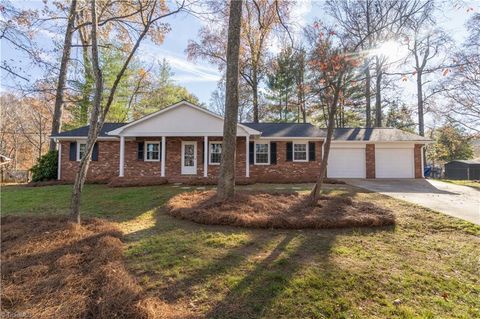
pixel 346 163
pixel 394 163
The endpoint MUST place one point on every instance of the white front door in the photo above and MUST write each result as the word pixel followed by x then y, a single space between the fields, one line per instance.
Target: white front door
pixel 189 158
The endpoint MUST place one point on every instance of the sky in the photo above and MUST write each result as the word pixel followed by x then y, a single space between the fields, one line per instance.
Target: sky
pixel 200 77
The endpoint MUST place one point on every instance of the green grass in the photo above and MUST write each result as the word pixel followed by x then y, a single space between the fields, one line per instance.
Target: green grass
pixel 463 182
pixel 428 261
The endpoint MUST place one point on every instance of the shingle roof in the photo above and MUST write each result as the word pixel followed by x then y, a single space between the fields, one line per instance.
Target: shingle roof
pixel 285 130
pixel 375 135
pixel 339 134
pixel 83 131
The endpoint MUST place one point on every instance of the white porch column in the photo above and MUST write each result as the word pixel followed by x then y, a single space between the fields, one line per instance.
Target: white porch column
pixel 122 156
pixel 162 169
pixel 205 156
pixel 247 156
pixel 59 169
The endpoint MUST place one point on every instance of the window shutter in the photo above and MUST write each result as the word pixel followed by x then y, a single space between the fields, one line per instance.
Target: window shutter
pixel 73 151
pixel 95 152
pixel 311 151
pixel 289 151
pixel 160 151
pixel 203 154
pixel 273 153
pixel 140 147
pixel 251 153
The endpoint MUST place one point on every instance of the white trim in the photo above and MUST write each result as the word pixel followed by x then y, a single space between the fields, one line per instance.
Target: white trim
pixel 194 157
pixel 145 143
pixel 78 149
pixel 306 150
pixel 247 156
pixel 162 164
pixel 119 130
pixel 59 161
pixel 205 156
pixel 121 170
pixel 209 153
pixel 255 153
pixel 422 150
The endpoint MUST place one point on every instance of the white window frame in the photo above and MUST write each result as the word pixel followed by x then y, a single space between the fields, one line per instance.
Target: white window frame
pixel 146 151
pixel 78 149
pixel 306 150
pixel 255 153
pixel 210 153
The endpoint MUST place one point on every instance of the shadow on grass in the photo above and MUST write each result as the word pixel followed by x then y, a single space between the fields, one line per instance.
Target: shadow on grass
pixel 243 281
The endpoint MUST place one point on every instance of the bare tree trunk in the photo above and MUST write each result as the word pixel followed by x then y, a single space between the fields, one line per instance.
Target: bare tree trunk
pixel 62 76
pixel 315 193
pixel 95 124
pixel 368 107
pixel 378 95
pixel 421 125
pixel 226 181
pixel 255 98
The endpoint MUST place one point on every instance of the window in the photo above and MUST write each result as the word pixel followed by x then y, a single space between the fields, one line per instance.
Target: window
pixel 82 148
pixel 152 151
pixel 300 152
pixel 262 153
pixel 215 153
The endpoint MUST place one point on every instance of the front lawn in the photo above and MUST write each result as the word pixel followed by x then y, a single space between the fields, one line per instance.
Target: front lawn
pixel 463 182
pixel 426 266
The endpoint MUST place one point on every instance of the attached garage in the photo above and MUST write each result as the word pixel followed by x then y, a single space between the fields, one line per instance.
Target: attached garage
pixel 394 162
pixel 346 163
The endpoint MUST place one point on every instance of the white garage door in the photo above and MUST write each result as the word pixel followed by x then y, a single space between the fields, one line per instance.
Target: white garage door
pixel 346 163
pixel 394 163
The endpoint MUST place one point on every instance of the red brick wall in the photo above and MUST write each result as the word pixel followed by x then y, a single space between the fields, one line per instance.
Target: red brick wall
pixel 102 170
pixel 370 160
pixel 285 171
pixel 107 165
pixel 417 154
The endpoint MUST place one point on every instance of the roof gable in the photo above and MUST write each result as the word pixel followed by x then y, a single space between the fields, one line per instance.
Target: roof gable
pixel 181 119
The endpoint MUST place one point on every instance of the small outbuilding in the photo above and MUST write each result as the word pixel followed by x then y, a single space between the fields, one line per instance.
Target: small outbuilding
pixel 463 169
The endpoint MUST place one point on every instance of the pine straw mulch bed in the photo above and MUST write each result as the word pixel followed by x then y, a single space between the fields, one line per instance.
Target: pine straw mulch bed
pixel 52 269
pixel 278 210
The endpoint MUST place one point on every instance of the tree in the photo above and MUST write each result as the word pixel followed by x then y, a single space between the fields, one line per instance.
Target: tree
pixel 259 20
pixel 226 181
pixel 62 73
pixel 150 14
pixel 462 87
pixel 332 64
pixel 400 117
pixel 451 143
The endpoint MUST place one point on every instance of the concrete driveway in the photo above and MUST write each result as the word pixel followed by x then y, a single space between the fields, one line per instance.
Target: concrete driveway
pixel 454 200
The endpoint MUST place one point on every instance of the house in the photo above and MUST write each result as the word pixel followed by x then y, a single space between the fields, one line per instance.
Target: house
pixel 184 141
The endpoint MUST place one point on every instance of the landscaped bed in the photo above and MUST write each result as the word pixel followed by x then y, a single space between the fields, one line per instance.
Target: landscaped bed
pixel 53 269
pixel 278 210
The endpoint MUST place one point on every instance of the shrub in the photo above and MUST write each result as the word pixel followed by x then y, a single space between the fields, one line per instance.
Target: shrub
pixel 46 167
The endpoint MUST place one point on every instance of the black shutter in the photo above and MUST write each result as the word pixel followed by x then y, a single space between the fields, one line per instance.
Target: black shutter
pixel 311 151
pixel 73 151
pixel 251 153
pixel 140 147
pixel 273 153
pixel 289 151
pixel 203 153
pixel 160 151
pixel 95 152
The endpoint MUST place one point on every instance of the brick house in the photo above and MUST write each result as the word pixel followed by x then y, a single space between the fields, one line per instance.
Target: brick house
pixel 183 141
